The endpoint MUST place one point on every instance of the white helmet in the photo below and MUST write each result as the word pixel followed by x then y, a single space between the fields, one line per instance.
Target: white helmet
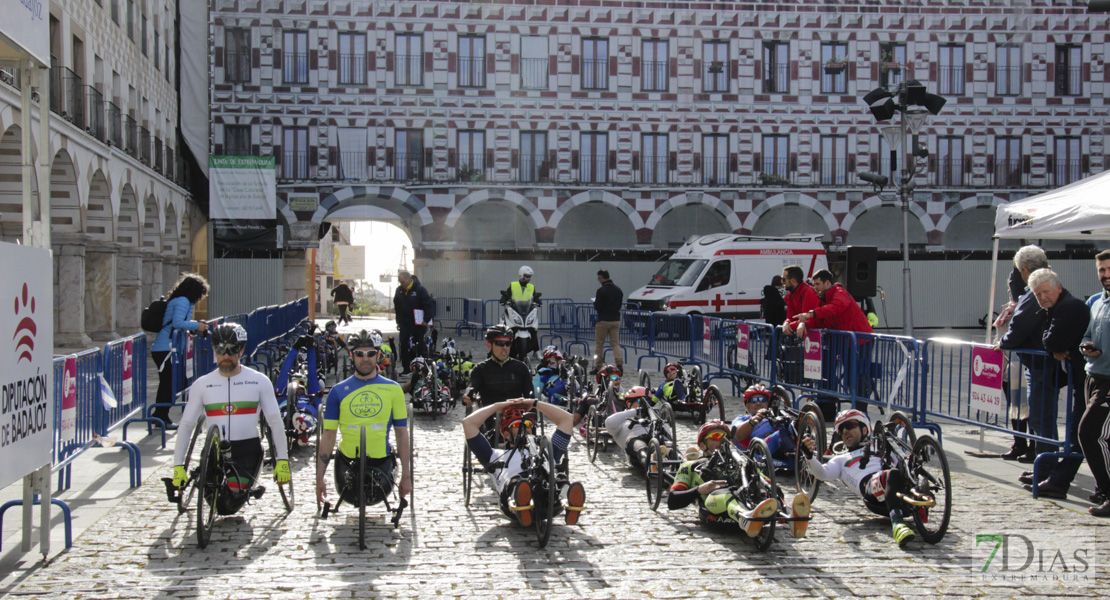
pixel 525 270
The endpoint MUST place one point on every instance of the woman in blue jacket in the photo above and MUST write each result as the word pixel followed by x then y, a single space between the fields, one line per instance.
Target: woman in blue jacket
pixel 189 290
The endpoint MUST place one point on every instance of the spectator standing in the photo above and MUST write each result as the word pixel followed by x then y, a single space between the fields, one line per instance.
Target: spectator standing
pixel 188 290
pixel 773 306
pixel 801 297
pixel 1094 427
pixel 1066 319
pixel 344 300
pixel 607 303
pixel 413 307
pixel 1019 415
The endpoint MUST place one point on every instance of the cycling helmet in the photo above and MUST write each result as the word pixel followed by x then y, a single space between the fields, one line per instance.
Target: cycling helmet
pixel 376 338
pixel 551 355
pixel 511 416
pixel 230 335
pixel 756 391
pixel 632 398
pixel 378 332
pixel 331 326
pixel 852 414
pixel 363 339
pixel 525 271
pixel 608 372
pixel 708 428
pixel 497 332
pixel 671 367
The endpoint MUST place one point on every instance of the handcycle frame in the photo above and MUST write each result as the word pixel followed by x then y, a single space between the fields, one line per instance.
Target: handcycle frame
pixel 700 398
pixel 660 468
pixel 596 434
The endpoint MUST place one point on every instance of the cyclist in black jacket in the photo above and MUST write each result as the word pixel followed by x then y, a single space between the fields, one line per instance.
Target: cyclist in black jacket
pixel 499 377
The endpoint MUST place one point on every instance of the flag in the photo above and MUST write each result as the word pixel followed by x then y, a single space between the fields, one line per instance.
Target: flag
pixel 107 396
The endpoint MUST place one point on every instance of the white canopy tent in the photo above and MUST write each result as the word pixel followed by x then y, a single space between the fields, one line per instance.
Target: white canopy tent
pixel 1077 211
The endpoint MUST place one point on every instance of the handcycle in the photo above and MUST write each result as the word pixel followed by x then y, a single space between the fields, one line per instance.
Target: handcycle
pixel 430 394
pixel 370 484
pixel 798 424
pixel 212 473
pixel 604 405
pixel 662 455
pixel 701 400
pixel 539 469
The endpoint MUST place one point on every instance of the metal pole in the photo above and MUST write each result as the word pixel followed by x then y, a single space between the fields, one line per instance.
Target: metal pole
pixel 903 189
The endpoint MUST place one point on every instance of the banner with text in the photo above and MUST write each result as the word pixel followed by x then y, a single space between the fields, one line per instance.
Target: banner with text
pixel 242 192
pixel 812 362
pixel 986 381
pixel 350 262
pixel 742 356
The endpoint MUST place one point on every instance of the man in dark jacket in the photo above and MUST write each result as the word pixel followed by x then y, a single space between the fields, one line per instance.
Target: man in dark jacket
pixel 772 305
pixel 607 303
pixel 344 300
pixel 1066 318
pixel 413 306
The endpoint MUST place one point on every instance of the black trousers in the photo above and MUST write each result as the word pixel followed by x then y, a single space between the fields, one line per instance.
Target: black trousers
pixel 165 384
pixel 1094 430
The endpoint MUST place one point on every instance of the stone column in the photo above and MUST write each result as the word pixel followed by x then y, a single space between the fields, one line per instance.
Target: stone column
pixel 129 294
pixel 152 278
pixel 100 292
pixel 69 292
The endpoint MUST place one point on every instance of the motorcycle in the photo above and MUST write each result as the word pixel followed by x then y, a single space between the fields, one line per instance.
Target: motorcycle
pixel 523 317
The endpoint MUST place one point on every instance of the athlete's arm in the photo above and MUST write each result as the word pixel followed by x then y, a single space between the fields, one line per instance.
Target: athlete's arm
pixel 268 403
pixel 194 410
pixel 323 455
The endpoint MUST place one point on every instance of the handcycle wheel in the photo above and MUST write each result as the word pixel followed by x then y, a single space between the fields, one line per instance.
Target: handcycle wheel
pixel 412 460
pixel 667 414
pixel 899 427
pixel 765 487
pixel 467 474
pixel 929 476
pixel 807 482
pixel 209 481
pixel 361 458
pixel 547 475
pixel 656 479
pixel 190 486
pixel 592 433
pixel 714 399
pixel 645 379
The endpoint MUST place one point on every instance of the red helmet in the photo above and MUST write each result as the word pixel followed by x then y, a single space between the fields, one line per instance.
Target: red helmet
pixel 510 417
pixel 671 367
pixel 709 427
pixel 608 372
pixel 852 415
pixel 757 391
pixel 633 396
pixel 551 355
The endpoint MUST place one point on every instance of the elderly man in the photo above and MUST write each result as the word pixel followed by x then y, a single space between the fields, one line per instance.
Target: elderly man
pixel 1094 428
pixel 1066 319
pixel 1025 333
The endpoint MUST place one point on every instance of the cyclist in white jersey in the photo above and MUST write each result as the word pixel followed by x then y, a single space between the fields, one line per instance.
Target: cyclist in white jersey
pixel 230 398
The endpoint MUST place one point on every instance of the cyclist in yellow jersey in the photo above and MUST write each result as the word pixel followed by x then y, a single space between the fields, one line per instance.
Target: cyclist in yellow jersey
pixel 366 399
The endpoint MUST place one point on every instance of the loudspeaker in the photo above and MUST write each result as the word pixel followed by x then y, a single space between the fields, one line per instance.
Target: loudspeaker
pixel 861 271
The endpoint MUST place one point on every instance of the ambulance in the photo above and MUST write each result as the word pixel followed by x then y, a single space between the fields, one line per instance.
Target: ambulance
pixel 723 274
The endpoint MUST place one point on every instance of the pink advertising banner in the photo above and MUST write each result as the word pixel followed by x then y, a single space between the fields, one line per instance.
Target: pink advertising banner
pixel 128 381
pixel 69 399
pixel 812 352
pixel 986 381
pixel 707 345
pixel 742 344
pixel 189 355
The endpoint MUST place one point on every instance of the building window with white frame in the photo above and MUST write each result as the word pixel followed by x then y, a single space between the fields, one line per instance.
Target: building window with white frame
pixel 595 63
pixel 950 73
pixel 237 140
pixel 294 153
pixel 1067 162
pixel 1007 70
pixel 950 161
pixel 534 62
pixel 593 157
pixel 472 61
pixel 714 160
pixel 774 165
pixel 834 73
pixel 408 163
pixel 1007 161
pixel 294 57
pixel 834 160
pixel 1069 70
pixel 352 59
pixel 892 64
pixel 653 167
pixel 776 67
pixel 653 66
pixel 408 59
pixel 533 156
pixel 237 55
pixel 352 153
pixel 471 156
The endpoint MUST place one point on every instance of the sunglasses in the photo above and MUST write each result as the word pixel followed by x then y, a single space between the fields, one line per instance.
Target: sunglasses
pixel 227 349
pixel 364 353
pixel 757 399
pixel 715 435
pixel 526 277
pixel 614 377
pixel 502 343
pixel 850 425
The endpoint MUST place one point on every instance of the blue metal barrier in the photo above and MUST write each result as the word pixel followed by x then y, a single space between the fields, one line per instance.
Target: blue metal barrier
pixel 116 362
pixel 451 312
pixel 672 335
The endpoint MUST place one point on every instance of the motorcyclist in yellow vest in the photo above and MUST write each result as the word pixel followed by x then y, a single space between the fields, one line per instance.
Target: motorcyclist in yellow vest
pixel 523 289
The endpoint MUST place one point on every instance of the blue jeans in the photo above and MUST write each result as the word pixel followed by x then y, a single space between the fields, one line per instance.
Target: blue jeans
pixel 1040 385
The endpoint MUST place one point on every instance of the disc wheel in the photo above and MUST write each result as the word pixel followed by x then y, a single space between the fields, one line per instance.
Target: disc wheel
pixel 807 482
pixel 467 474
pixel 210 481
pixel 546 478
pixel 928 471
pixel 715 402
pixel 361 454
pixel 191 470
pixel 592 433
pixel 656 480
pixel 762 485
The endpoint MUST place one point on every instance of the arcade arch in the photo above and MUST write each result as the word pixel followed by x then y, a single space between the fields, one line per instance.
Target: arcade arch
pixel 672 228
pixel 881 226
pixel 66 214
pixel 595 225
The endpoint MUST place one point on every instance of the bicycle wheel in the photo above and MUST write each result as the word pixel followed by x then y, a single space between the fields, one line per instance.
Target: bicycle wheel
pixel 210 482
pixel 929 476
pixel 645 379
pixel 763 486
pixel 361 458
pixel 715 402
pixel 412 461
pixel 807 482
pixel 592 433
pixel 467 474
pixel 899 427
pixel 666 413
pixel 191 470
pixel 656 479
pixel 546 478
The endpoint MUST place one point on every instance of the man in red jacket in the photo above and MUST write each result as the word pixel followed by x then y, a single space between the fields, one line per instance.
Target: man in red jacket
pixel 801 298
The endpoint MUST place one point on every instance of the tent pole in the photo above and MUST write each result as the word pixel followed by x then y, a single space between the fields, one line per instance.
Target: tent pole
pixel 994 284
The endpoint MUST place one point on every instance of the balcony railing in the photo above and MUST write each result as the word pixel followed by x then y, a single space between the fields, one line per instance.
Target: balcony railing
pixel 595 74
pixel 714 171
pixel 775 172
pixel 1007 81
pixel 533 73
pixel 1069 80
pixel 776 79
pixel 95 101
pixel 715 75
pixel 1066 171
pixel 472 72
pixel 237 66
pixel 9 74
pixel 171 164
pixel 353 167
pixel 834 171
pixel 294 67
pixel 67 97
pixel 951 81
pixel 131 136
pixel 408 69
pixel 1007 173
pixel 593 168
pixel 653 169
pixel 115 125
pixel 144 145
pixel 294 165
pixel 352 69
pixel 409 167
pixel 472 168
pixel 654 76
pixel 950 172
pixel 158 155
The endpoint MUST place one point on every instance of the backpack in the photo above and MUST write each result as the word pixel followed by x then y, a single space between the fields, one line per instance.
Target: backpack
pixel 152 316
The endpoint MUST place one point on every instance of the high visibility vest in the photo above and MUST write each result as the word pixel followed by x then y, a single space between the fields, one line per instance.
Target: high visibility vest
pixel 519 293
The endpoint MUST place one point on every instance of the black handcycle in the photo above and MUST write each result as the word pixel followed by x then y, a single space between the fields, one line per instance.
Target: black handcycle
pixel 701 400
pixel 662 455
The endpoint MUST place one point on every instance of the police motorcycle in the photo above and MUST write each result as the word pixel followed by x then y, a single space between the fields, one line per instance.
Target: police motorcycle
pixel 523 318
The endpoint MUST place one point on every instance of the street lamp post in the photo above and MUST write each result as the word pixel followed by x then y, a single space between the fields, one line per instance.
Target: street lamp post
pixel 884 105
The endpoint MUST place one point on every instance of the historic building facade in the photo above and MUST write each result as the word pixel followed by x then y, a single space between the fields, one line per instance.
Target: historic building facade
pixel 540 125
pixel 121 222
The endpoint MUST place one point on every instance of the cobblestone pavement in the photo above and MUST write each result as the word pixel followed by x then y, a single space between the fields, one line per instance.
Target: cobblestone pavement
pixel 620 549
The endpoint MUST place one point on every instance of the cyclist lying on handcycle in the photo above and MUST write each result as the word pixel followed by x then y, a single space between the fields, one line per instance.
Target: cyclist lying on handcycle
pixel 672 389
pixel 608 377
pixel 549 383
pixel 699 481
pixel 761 422
pixel 879 488
pixel 631 428
pixel 506 466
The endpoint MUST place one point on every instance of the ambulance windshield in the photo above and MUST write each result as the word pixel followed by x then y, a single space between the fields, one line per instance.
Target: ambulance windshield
pixel 679 272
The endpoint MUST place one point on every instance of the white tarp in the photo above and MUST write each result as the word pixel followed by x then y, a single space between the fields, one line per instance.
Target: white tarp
pixel 194 109
pixel 1080 210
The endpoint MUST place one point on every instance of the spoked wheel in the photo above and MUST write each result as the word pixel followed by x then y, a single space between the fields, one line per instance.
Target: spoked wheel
pixel 930 478
pixel 192 471
pixel 714 402
pixel 543 521
pixel 592 433
pixel 361 458
pixel 899 427
pixel 467 474
pixel 210 481
pixel 807 482
pixel 412 462
pixel 765 486
pixel 645 379
pixel 656 478
pixel 286 490
pixel 666 413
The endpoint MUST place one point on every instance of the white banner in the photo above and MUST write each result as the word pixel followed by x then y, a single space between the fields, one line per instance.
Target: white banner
pixel 350 262
pixel 242 187
pixel 189 355
pixel 707 342
pixel 742 354
pixel 25 26
pixel 67 426
pixel 26 360
pixel 811 347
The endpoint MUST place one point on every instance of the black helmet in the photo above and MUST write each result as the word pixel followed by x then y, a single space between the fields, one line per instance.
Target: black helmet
pixel 230 335
pixel 363 339
pixel 498 331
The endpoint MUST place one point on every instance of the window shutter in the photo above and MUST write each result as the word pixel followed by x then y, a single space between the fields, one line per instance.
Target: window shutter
pixel 672 161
